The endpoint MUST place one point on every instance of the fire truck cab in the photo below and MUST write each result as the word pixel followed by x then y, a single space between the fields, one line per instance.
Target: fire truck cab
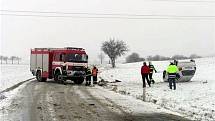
pixel 60 64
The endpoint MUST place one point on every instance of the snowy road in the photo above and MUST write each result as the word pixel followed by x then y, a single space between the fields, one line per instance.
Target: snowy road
pixel 54 102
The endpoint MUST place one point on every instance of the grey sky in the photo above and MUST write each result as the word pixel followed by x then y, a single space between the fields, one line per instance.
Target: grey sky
pixel 145 36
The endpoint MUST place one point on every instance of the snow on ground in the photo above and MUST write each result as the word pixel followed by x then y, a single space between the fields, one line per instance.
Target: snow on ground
pixel 128 103
pixel 194 99
pixel 13 74
pixel 7 101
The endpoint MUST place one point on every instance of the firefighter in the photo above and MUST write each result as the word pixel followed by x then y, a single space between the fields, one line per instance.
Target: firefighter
pixel 88 76
pixel 94 74
pixel 176 62
pixel 145 70
pixel 152 69
pixel 172 71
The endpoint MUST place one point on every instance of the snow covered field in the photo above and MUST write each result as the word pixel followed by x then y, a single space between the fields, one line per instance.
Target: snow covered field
pixel 13 74
pixel 194 99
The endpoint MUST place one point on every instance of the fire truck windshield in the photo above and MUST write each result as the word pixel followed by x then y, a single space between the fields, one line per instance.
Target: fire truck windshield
pixel 81 58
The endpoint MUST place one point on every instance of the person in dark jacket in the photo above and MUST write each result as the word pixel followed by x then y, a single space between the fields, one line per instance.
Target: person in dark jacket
pixel 94 74
pixel 88 76
pixel 145 70
pixel 152 69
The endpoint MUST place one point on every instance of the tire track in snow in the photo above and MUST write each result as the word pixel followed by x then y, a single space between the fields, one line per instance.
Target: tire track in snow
pixel 16 85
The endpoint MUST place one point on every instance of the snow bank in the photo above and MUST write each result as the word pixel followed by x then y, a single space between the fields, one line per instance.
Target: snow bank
pixel 129 104
pixel 194 99
pixel 13 74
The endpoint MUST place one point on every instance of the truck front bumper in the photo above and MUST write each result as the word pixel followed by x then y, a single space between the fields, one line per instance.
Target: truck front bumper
pixel 75 74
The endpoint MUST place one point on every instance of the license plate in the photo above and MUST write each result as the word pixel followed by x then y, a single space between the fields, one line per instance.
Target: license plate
pixel 188 67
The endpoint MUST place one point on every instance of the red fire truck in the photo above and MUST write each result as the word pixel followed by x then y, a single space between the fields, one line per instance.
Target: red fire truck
pixel 62 64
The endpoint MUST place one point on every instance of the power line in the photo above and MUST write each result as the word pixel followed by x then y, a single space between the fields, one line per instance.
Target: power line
pixel 99 14
pixel 188 1
pixel 111 17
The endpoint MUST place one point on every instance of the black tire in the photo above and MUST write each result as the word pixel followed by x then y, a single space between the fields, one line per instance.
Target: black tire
pixel 39 76
pixel 58 78
pixel 79 80
pixel 44 79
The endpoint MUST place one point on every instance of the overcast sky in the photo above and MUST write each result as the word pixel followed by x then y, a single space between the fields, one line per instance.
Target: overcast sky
pixel 144 36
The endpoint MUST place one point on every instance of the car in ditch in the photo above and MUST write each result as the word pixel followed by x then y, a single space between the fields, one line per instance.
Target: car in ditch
pixel 186 72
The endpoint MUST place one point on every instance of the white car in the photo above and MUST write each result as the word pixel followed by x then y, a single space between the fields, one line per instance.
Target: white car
pixel 186 72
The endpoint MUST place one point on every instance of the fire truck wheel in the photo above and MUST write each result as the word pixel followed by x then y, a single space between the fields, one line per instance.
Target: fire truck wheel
pixel 79 80
pixel 44 79
pixel 39 76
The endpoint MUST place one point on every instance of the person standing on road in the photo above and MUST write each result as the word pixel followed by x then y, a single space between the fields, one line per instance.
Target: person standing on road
pixel 88 76
pixel 145 72
pixel 94 73
pixel 152 69
pixel 172 71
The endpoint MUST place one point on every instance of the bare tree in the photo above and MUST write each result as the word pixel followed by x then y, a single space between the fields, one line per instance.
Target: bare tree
pixel 5 58
pixel 114 49
pixel 179 57
pixel 18 59
pixel 101 57
pixel 1 57
pixel 134 57
pixel 157 58
pixel 12 58
pixel 193 56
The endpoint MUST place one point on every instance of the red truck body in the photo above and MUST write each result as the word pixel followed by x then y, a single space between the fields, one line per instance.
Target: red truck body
pixel 67 63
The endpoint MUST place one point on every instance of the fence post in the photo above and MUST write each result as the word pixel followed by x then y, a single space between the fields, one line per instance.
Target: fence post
pixel 91 84
pixel 144 93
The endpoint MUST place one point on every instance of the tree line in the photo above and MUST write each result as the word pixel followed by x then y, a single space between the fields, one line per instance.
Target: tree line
pixel 12 59
pixel 116 48
pixel 134 57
